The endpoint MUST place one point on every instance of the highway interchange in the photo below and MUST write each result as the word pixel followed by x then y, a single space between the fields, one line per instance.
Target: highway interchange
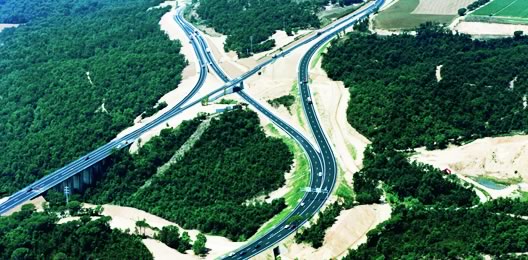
pixel 322 161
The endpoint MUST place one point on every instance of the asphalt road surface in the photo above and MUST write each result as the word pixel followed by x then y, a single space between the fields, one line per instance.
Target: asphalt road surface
pixel 322 161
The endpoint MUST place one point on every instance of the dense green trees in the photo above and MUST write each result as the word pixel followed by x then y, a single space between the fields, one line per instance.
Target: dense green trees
pixel 432 89
pixel 170 236
pixel 408 180
pixel 426 233
pixel 508 206
pixel 51 112
pixel 397 101
pixel 17 11
pixel 209 187
pixel 36 235
pixel 127 172
pixel 249 24
pixel 231 163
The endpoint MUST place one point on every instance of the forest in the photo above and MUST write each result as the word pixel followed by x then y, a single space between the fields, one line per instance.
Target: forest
pixel 127 172
pixel 19 12
pixel 209 187
pixel 431 90
pixel 74 76
pixel 404 179
pixel 249 25
pixel 444 233
pixel 398 102
pixel 28 234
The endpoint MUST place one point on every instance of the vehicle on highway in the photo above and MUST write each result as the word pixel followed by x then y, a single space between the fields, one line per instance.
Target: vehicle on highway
pixel 286 227
pixel 309 100
pixel 33 188
pixel 320 174
pixel 302 204
pixel 86 158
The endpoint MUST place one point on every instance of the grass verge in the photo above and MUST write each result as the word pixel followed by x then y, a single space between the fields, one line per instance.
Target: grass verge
pixel 298 108
pixel 524 196
pixel 318 55
pixel 299 180
pixel 344 190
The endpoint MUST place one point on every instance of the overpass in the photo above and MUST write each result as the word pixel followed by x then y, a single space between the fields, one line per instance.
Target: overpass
pixel 323 164
pixel 321 157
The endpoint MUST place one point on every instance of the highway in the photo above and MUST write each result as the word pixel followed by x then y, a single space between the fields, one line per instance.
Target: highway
pixel 323 164
pixel 322 161
pixel 104 151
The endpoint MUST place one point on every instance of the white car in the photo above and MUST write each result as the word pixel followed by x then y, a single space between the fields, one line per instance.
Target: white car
pixel 302 204
pixel 320 174
pixel 287 226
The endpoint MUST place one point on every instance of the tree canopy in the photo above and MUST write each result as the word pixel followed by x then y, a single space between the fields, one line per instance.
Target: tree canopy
pixel 249 24
pixel 37 235
pixel 210 186
pixel 69 82
pixel 432 89
pixel 424 233
pixel 398 101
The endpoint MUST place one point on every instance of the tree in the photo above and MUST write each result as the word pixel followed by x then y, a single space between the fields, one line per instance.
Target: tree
pixel 75 239
pixel 60 256
pixel 141 226
pixel 108 50
pixel 518 34
pixel 199 245
pixel 74 207
pixel 185 242
pixel 462 11
pixel 20 254
pixel 170 236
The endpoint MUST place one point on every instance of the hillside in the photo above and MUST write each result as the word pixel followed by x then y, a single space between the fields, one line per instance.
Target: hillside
pixel 32 235
pixel 71 80
pixel 208 186
pixel 398 101
pixel 430 90
pixel 249 25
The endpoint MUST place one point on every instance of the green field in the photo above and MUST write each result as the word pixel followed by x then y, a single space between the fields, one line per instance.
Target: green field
pixel 399 16
pixel 502 11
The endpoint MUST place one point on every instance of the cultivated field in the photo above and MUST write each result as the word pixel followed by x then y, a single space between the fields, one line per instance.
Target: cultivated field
pixel 502 11
pixel 408 14
pixel 436 7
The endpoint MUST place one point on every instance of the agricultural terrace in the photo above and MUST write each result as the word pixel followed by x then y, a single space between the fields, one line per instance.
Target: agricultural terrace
pixel 408 14
pixel 502 11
